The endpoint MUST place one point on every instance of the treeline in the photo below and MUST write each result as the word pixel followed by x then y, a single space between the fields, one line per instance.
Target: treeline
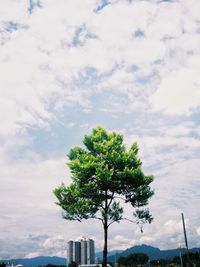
pixel 133 259
pixel 141 259
pixel 193 260
pixel 51 265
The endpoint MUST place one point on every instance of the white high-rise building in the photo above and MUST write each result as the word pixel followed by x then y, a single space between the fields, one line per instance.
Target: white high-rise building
pixel 77 252
pixel 82 252
pixel 70 251
pixel 90 252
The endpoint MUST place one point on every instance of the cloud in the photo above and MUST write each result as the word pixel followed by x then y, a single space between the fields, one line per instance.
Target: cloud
pixel 32 255
pixel 132 66
pixel 173 227
pixel 198 230
pixel 44 44
pixel 121 242
pixel 179 93
pixel 55 242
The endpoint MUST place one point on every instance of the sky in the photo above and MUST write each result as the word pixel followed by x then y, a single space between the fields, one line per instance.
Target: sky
pixel 67 66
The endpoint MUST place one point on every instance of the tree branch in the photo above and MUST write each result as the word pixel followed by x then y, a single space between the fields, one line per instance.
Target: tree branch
pixel 98 218
pixel 111 200
pixel 140 225
pixel 114 222
pixel 121 198
pixel 129 220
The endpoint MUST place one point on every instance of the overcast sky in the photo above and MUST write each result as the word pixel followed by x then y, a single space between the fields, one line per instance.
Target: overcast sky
pixel 69 65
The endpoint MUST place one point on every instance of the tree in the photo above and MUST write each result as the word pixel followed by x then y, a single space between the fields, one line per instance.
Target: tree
pixel 105 174
pixel 73 264
pixel 123 261
pixel 133 259
pixel 193 256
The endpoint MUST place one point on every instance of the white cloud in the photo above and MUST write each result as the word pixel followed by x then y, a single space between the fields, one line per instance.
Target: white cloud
pixel 31 194
pixel 198 231
pixel 146 240
pixel 120 59
pixel 55 242
pixel 121 242
pixel 32 255
pixel 166 25
pixel 44 46
pixel 173 227
pixel 178 93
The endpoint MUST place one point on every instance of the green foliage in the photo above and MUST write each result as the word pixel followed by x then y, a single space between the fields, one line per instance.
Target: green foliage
pixel 176 262
pixel 73 264
pixel 104 173
pixel 193 257
pixel 160 262
pixel 133 259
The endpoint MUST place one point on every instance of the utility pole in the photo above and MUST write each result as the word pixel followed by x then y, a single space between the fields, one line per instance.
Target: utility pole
pixel 184 230
pixel 181 260
pixel 186 242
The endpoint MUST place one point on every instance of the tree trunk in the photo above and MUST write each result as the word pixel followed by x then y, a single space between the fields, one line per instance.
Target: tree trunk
pixel 105 249
pixel 105 227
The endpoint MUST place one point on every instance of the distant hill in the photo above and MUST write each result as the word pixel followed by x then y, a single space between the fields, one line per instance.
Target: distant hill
pixel 152 252
pixel 44 260
pixel 99 255
pixel 37 261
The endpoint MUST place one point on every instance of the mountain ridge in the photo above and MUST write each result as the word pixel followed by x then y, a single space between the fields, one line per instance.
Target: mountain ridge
pixel 37 261
pixel 153 253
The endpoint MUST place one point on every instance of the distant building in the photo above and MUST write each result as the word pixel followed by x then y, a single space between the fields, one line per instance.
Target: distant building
pixel 90 252
pixel 82 252
pixel 12 265
pixel 77 252
pixel 18 265
pixel 70 251
pixel 95 265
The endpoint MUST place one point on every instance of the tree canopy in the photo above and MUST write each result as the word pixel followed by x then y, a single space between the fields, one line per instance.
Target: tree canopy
pixel 133 259
pixel 104 176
